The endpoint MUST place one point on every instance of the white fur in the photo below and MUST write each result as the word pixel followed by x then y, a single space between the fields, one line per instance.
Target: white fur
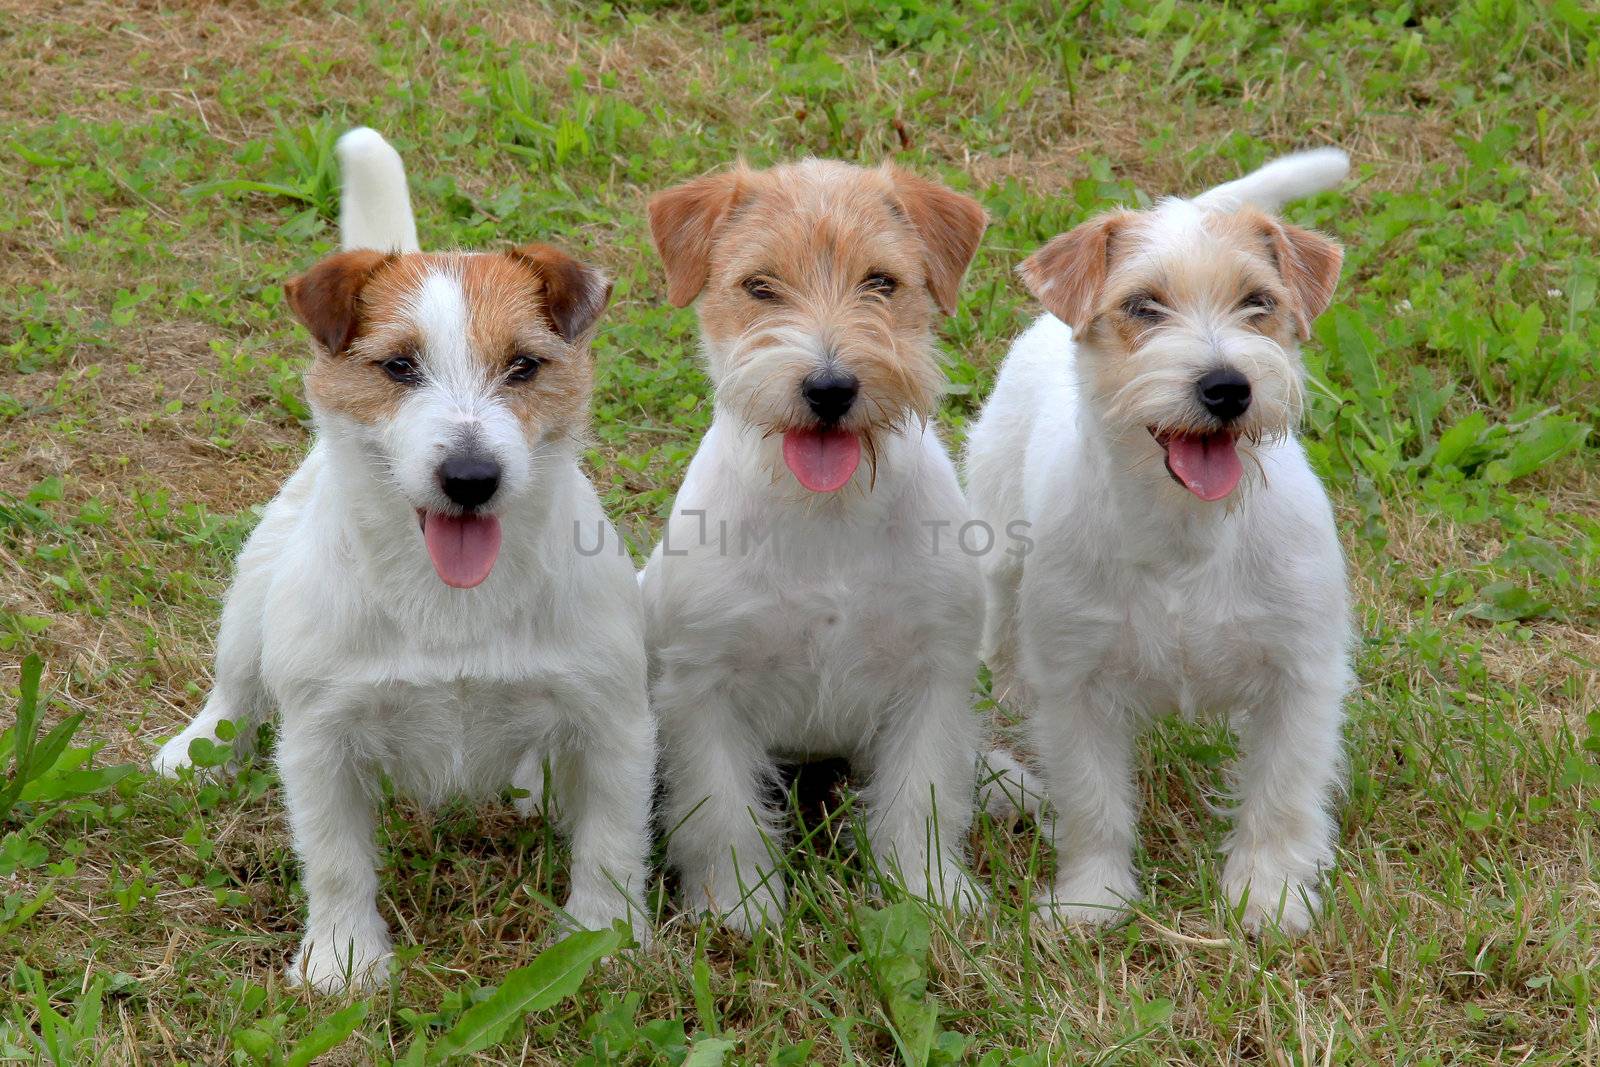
pixel 374 205
pixel 337 618
pixel 1280 181
pixel 844 633
pixel 1139 600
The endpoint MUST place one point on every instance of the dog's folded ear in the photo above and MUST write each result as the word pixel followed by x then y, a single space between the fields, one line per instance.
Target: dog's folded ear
pixel 1068 274
pixel 327 298
pixel 683 223
pixel 1309 264
pixel 574 293
pixel 950 225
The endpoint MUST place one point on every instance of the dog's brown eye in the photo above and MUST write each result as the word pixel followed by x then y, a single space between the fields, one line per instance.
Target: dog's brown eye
pixel 760 288
pixel 880 283
pixel 522 367
pixel 403 369
pixel 1144 308
pixel 1258 303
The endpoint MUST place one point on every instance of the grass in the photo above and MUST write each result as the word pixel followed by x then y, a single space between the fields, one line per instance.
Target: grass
pixel 166 167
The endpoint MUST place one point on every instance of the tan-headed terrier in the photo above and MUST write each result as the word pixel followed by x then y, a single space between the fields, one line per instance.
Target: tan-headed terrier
pixel 811 596
pixel 1187 559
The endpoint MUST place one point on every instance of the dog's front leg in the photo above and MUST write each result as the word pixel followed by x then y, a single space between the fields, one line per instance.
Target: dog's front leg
pixel 346 943
pixel 1085 746
pixel 1283 831
pixel 603 790
pixel 920 795
pixel 720 826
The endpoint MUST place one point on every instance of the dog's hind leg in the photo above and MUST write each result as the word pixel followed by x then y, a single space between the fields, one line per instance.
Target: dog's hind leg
pixel 1007 790
pixel 532 778
pixel 1000 622
pixel 238 694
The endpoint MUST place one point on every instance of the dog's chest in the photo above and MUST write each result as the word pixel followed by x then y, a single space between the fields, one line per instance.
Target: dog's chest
pixel 443 739
pixel 813 634
pixel 1162 641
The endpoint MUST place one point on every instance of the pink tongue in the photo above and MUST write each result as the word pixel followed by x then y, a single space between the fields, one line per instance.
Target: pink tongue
pixel 1207 464
pixel 463 547
pixel 822 460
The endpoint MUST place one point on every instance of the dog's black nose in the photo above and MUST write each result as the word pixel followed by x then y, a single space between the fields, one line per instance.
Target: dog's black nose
pixel 1225 393
pixel 470 481
pixel 830 393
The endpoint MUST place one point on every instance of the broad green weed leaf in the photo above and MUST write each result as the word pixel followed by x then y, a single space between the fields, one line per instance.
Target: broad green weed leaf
pixel 1455 442
pixel 894 943
pixel 24 733
pixel 1535 446
pixel 708 1052
pixel 13 912
pixel 255 1044
pixel 329 1035
pixel 76 784
pixel 1427 400
pixel 1525 331
pixel 42 759
pixel 555 975
pixel 704 1003
pixel 1508 602
pixel 1353 344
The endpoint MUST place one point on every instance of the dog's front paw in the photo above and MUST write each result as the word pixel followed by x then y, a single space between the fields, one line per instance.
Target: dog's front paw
pixel 1090 896
pixel 1268 899
pixel 951 886
pixel 332 961
pixel 761 906
pixel 742 908
pixel 172 757
pixel 597 911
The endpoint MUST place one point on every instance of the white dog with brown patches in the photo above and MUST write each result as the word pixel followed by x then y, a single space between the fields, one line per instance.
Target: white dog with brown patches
pixel 809 597
pixel 1186 558
pixel 414 601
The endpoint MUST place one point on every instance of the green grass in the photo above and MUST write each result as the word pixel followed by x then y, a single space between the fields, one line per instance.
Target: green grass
pixel 166 167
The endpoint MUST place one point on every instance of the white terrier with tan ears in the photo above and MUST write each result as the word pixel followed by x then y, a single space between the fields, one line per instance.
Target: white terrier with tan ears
pixel 1185 556
pixel 809 597
pixel 414 601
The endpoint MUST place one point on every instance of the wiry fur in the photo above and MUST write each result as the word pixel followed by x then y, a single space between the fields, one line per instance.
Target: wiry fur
pixel 337 618
pixel 785 623
pixel 1140 599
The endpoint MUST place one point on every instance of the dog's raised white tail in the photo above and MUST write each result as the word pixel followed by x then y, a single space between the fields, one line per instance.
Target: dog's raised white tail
pixel 374 205
pixel 1291 177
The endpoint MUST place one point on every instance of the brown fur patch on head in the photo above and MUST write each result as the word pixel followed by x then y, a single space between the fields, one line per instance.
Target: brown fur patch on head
pixel 520 307
pixel 1068 275
pixel 1309 264
pixel 950 224
pixel 350 380
pixel 516 309
pixel 574 294
pixel 327 298
pixel 683 224
pixel 813 264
